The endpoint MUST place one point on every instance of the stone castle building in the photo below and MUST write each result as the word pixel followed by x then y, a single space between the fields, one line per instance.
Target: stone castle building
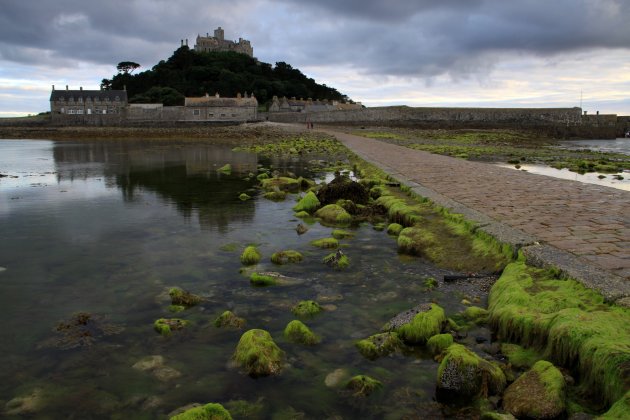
pixel 76 104
pixel 219 43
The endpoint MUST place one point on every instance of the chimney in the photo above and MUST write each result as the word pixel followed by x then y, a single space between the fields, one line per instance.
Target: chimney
pixel 597 112
pixel 66 87
pixel 53 88
pixel 182 43
pixel 238 95
pixel 125 88
pixel 186 41
pixel 80 87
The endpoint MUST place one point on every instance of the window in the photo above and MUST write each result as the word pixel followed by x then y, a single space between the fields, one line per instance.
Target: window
pixel 80 100
pixel 211 115
pixel 63 110
pixel 233 115
pixel 117 98
pixel 196 112
pixel 71 111
pixel 79 111
pixel 223 115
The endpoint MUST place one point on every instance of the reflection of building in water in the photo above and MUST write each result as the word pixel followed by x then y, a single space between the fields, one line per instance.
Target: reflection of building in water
pixel 185 176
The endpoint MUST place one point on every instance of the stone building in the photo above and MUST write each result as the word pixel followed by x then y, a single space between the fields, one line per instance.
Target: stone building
pixel 216 108
pixel 308 105
pixel 79 105
pixel 219 43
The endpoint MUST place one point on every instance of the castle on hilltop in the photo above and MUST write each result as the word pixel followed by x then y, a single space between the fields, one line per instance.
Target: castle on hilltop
pixel 219 43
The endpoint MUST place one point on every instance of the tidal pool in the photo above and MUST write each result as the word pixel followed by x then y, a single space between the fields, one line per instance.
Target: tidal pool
pixel 106 228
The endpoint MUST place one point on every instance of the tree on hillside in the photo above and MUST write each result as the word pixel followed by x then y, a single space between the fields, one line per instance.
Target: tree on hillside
pixel 127 67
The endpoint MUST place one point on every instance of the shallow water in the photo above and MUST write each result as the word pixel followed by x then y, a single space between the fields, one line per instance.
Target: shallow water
pixel 619 145
pixel 108 227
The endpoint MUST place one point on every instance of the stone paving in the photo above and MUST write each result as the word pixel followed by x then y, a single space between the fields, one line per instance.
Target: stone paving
pixel 590 222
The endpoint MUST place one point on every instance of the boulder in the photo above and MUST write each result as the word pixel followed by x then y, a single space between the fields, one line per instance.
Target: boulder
pixel 258 354
pixel 379 345
pixel 417 325
pixel 537 394
pixel 343 188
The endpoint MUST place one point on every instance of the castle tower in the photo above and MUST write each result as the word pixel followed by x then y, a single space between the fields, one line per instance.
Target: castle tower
pixel 219 34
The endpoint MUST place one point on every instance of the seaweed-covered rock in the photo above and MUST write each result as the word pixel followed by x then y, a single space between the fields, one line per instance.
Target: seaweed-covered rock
pixel 619 409
pixel 285 257
pixel 417 325
pixel 300 228
pixel 363 385
pixel 211 411
pixel 416 241
pixel 226 169
pixel 394 229
pixel 439 342
pixel 337 260
pixel 166 326
pixel 250 255
pixel 258 354
pixel 518 356
pixel 244 197
pixel 275 195
pixel 348 205
pixel 83 329
pixel 463 375
pixel 476 314
pixel 325 243
pixel 309 203
pixel 306 308
pixel 343 188
pixel 537 394
pixel 261 279
pixel 298 332
pixel 25 405
pixel 228 320
pixel 184 298
pixel 242 409
pixel 281 183
pixel 333 213
pixel 342 234
pixel 379 345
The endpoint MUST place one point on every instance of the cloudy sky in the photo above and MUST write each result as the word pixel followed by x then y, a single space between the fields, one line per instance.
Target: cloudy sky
pixel 488 53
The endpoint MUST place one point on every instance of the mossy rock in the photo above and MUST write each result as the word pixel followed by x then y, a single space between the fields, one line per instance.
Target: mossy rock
pixel 538 394
pixel 183 298
pixel 285 257
pixel 337 260
pixel 379 227
pixel 244 197
pixel 258 354
pixel 394 229
pixel 342 234
pixel 379 345
pixel 417 241
pixel 430 283
pixel 226 169
pixel 302 214
pixel 476 314
pixel 325 243
pixel 348 205
pixel 228 320
pixel 309 203
pixel 363 385
pixel 250 256
pixel 306 308
pixel 297 332
pixel 242 409
pixel 439 342
pixel 211 411
pixel 282 183
pixel 400 210
pixel 166 326
pixel 262 176
pixel 334 214
pixel 343 188
pixel 417 325
pixel 619 409
pixel 275 195
pixel 176 308
pixel 520 357
pixel 259 279
pixel 463 375
pixel 573 324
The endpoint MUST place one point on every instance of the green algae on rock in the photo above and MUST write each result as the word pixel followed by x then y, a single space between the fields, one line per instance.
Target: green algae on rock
pixel 242 409
pixel 229 320
pixel 259 279
pixel 417 325
pixel 476 314
pixel 226 169
pixel 244 197
pixel 181 297
pixel 394 229
pixel 285 257
pixel 306 308
pixel 363 385
pixel 342 234
pixel 379 345
pixel 337 260
pixel 275 195
pixel 258 354
pixel 297 332
pixel 165 326
pixel 334 214
pixel 250 256
pixel 325 243
pixel 439 342
pixel 619 410
pixel 281 183
pixel 569 324
pixel 211 411
pixel 309 203
pixel 539 393
pixel 518 356
pixel 463 375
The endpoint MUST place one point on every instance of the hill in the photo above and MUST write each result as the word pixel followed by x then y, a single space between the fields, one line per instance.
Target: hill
pixel 189 73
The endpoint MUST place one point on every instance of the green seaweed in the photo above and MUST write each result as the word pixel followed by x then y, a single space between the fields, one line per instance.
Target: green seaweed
pixel 250 256
pixel 619 410
pixel 165 326
pixel 337 260
pixel 244 197
pixel 275 195
pixel 258 354
pixel 181 297
pixel 285 257
pixel 226 169
pixel 379 345
pixel 306 308
pixel 518 356
pixel 309 203
pixel 228 319
pixel 476 314
pixel 394 229
pixel 342 234
pixel 423 326
pixel 363 385
pixel 439 342
pixel 258 279
pixel 211 411
pixel 297 332
pixel 325 243
pixel 281 183
pixel 335 214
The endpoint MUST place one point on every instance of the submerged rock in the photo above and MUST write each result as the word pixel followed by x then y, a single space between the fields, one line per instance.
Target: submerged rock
pixel 463 375
pixel 250 255
pixel 297 332
pixel 537 394
pixel 337 260
pixel 300 228
pixel 284 257
pixel 181 297
pixel 379 345
pixel 83 329
pixel 418 324
pixel 325 243
pixel 211 411
pixel 363 385
pixel 258 354
pixel 306 308
pixel 228 320
pixel 336 377
pixel 24 405
pixel 166 326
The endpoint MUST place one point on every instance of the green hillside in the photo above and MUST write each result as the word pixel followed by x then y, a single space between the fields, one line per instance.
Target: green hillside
pixel 188 73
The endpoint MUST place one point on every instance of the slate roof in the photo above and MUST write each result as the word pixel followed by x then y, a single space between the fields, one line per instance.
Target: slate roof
pixel 213 101
pixel 102 95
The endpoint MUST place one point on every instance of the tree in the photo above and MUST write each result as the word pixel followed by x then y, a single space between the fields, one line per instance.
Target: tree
pixel 127 67
pixel 106 84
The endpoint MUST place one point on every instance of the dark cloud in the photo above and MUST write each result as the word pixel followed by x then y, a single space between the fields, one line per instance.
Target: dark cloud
pixel 421 38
